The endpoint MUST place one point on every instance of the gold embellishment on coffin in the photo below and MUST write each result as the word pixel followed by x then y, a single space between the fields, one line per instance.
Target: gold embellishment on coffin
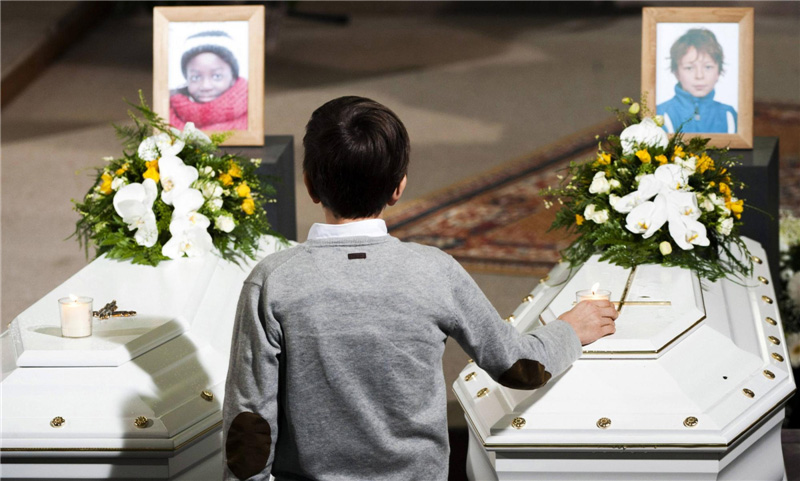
pixel 470 376
pixel 141 422
pixel 763 280
pixel 511 318
pixel 769 374
pixel 732 442
pixel 527 298
pixel 483 392
pixel 603 423
pixel 189 441
pixel 774 340
pixel 470 360
pixel 777 357
pixel 748 393
pixel 544 279
pixel 757 260
pixel 518 423
pixel 771 321
pixel 207 395
pixel 57 422
pixel 690 422
pixel 766 299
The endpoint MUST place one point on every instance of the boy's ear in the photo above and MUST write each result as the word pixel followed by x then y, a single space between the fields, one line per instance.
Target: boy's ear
pixel 398 192
pixel 310 188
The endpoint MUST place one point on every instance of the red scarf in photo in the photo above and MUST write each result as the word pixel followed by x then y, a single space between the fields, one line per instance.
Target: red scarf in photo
pixel 226 112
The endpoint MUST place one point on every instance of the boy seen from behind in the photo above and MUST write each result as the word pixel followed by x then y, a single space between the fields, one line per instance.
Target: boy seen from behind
pixel 336 358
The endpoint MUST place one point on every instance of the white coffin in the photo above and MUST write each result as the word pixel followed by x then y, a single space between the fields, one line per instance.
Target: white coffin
pixel 156 364
pixel 691 386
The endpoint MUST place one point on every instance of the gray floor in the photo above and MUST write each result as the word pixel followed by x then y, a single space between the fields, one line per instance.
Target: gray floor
pixel 475 89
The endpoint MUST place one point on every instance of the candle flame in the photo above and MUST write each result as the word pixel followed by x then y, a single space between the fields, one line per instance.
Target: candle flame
pixel 595 288
pixel 73 298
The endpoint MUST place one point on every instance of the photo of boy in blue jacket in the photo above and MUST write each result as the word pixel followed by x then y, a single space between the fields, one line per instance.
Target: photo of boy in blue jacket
pixel 697 61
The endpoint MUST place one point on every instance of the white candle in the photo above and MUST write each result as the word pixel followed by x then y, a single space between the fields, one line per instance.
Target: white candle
pixel 76 316
pixel 593 294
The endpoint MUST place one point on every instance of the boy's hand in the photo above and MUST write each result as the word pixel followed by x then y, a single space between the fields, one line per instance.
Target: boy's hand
pixel 591 320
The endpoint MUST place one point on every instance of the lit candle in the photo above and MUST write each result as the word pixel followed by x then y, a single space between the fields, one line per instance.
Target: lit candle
pixel 593 294
pixel 76 316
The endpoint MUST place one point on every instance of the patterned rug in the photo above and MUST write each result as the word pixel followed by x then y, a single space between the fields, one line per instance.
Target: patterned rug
pixel 496 222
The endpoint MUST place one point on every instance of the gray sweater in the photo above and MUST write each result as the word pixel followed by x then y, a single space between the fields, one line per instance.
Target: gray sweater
pixel 336 360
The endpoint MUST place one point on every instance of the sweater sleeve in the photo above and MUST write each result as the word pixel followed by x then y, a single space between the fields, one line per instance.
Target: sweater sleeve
pixel 515 360
pixel 250 410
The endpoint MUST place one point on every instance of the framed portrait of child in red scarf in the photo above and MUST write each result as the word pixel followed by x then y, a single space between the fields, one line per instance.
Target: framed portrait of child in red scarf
pixel 208 69
pixel 697 71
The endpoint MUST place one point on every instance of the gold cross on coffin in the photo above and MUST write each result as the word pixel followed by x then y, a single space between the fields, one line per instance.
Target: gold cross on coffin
pixel 624 302
pixel 110 310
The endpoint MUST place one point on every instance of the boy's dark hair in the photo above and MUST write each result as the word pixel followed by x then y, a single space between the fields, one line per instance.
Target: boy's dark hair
pixel 356 155
pixel 703 41
pixel 216 42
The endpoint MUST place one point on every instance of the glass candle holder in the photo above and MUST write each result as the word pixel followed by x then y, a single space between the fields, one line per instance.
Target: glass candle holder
pixel 590 295
pixel 76 316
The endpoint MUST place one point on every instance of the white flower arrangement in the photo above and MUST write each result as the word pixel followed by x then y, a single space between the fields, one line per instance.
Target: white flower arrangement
pixel 157 200
pixel 652 199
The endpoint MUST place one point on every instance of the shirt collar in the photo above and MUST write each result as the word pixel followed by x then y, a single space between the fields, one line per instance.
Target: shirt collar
pixel 368 228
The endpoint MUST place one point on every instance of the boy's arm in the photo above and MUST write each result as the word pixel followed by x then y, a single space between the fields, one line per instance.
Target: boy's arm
pixel 512 359
pixel 250 410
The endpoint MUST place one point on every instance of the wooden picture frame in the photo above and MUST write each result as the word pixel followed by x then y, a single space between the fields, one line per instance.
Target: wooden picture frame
pixel 208 68
pixel 729 119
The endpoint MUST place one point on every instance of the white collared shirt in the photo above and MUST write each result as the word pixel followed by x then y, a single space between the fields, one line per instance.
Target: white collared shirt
pixel 368 228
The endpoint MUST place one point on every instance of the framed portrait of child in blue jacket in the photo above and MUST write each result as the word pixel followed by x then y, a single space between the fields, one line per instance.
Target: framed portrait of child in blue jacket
pixel 697 72
pixel 208 69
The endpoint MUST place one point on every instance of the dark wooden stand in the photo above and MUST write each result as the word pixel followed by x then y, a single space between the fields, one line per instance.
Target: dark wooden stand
pixel 759 172
pixel 277 167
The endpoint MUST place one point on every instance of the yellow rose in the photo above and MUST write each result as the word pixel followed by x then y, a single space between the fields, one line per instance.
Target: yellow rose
pixel 644 156
pixel 725 189
pixel 152 171
pixel 243 190
pixel 705 163
pixel 603 158
pixel 105 185
pixel 579 219
pixel 226 179
pixel 248 206
pixel 122 170
pixel 235 170
pixel 735 207
pixel 662 159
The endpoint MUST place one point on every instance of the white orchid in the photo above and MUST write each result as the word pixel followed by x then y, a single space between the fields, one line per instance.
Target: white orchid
pixel 193 242
pixel 160 145
pixel 646 133
pixel 600 184
pixel 175 177
pixel 648 187
pixel 597 216
pixel 671 177
pixel 191 135
pixel 687 232
pixel 648 217
pixel 684 203
pixel 134 203
pixel 186 206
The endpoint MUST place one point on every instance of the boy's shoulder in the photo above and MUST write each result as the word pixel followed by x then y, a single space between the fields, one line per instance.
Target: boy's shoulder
pixel 271 263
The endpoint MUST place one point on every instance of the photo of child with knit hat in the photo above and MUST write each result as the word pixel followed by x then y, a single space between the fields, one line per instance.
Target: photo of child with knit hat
pixel 207 77
pixel 698 69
